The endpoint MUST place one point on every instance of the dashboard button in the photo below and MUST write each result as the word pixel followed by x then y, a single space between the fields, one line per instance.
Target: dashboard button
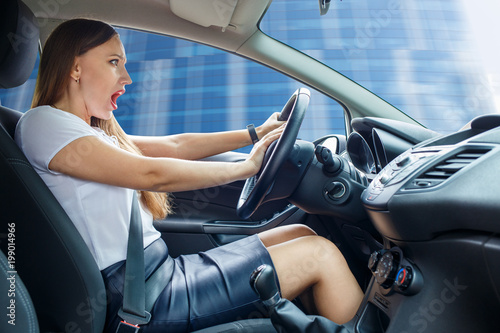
pixel 404 161
pixel 384 178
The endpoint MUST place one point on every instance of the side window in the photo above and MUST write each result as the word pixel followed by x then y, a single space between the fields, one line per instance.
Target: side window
pixel 180 86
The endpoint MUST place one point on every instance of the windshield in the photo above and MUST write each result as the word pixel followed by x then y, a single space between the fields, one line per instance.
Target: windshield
pixel 437 61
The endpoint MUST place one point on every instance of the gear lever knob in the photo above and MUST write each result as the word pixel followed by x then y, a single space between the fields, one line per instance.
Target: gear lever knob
pixel 263 281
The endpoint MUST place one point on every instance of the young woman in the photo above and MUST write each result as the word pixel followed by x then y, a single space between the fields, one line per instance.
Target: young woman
pixel 74 142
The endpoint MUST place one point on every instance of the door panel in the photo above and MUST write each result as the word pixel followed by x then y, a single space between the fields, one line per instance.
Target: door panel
pixel 207 218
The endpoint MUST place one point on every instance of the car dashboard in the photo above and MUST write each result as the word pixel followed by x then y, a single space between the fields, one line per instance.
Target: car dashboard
pixel 436 207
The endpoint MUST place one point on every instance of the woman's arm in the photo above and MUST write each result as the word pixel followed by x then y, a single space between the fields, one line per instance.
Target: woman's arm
pixel 194 146
pixel 91 159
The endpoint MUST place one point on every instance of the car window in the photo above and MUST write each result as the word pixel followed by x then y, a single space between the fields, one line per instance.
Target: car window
pixel 179 86
pixel 437 61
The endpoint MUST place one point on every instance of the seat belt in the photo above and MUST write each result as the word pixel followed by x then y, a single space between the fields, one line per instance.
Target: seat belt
pixel 139 295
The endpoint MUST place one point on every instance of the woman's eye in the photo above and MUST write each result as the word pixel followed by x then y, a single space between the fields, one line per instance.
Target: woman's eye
pixel 114 62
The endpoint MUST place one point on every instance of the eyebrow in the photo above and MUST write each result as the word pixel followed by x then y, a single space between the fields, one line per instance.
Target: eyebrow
pixel 117 55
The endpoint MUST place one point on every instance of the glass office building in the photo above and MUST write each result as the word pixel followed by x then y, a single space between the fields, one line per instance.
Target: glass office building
pixel 421 56
pixel 435 60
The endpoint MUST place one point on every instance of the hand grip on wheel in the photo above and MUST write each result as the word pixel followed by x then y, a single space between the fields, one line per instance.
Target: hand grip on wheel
pixel 285 112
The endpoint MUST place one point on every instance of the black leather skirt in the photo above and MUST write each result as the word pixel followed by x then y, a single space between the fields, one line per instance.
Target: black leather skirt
pixel 207 289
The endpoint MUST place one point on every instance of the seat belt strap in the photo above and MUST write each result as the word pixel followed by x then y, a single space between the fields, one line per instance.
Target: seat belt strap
pixel 158 281
pixel 133 310
pixel 139 296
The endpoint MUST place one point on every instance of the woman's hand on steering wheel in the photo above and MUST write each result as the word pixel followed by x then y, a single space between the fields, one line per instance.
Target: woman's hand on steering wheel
pixel 269 125
pixel 256 157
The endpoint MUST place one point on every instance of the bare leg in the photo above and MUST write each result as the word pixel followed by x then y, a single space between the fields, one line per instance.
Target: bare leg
pixel 284 234
pixel 313 262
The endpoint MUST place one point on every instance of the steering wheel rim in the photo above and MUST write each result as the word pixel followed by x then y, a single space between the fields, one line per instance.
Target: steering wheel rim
pixel 256 187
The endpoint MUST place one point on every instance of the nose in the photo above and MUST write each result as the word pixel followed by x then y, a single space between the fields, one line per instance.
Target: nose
pixel 125 77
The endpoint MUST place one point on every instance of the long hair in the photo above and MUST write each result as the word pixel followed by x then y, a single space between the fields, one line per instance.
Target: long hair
pixel 71 39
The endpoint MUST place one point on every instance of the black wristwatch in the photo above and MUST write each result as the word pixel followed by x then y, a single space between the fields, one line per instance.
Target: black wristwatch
pixel 253 133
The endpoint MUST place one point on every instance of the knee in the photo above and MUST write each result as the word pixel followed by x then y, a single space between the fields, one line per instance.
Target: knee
pixel 322 249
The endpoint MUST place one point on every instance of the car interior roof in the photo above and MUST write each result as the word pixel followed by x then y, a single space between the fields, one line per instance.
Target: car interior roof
pixel 131 13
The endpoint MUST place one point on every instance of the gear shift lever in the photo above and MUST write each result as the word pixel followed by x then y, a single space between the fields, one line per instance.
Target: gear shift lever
pixel 285 316
pixel 263 281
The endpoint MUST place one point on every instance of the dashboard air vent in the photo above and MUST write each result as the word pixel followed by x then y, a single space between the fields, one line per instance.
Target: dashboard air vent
pixel 448 167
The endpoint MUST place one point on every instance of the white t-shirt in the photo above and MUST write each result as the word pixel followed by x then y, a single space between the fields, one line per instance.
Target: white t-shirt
pixel 100 212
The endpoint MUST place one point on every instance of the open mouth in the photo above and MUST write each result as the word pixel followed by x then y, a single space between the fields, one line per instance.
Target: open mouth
pixel 115 96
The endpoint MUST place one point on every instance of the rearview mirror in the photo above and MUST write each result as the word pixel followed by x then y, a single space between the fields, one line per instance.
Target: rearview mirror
pixel 323 6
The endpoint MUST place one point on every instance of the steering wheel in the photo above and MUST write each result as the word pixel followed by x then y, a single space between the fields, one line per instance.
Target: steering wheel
pixel 257 187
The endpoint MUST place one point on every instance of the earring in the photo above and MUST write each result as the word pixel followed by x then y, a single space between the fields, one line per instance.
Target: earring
pixel 77 80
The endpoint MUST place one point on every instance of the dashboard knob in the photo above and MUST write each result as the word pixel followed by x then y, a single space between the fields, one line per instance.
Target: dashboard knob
pixel 394 273
pixel 386 270
pixel 404 277
pixel 373 261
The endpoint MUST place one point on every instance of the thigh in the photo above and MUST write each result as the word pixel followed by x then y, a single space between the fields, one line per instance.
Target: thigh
pixel 285 233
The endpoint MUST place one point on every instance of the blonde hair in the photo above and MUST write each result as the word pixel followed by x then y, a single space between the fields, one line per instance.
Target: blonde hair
pixel 71 39
pixel 157 203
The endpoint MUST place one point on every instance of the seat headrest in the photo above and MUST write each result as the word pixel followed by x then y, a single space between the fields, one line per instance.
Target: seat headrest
pixel 19 38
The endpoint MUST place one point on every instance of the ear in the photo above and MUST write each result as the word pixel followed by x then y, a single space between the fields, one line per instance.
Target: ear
pixel 76 70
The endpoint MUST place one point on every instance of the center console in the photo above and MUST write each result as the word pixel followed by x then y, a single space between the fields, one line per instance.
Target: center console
pixel 436 205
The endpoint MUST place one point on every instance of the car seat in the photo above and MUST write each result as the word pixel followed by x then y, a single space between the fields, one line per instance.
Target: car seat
pixel 50 256
pixel 20 313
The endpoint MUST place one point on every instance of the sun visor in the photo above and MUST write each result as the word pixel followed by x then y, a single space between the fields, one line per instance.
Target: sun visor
pixel 205 12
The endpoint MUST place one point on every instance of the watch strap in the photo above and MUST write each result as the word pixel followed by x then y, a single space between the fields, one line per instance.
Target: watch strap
pixel 253 133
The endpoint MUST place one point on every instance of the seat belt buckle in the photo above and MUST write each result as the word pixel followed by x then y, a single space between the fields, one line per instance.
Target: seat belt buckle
pixel 130 322
pixel 124 327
